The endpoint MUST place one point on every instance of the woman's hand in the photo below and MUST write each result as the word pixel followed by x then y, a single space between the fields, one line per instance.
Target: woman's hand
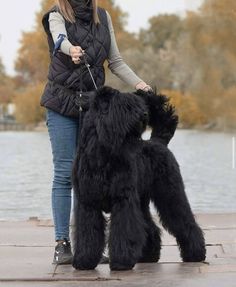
pixel 76 52
pixel 143 86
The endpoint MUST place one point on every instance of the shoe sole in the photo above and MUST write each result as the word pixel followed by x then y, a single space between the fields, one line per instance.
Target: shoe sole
pixel 66 261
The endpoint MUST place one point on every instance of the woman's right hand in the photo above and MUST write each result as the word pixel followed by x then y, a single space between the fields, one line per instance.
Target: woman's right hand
pixel 76 52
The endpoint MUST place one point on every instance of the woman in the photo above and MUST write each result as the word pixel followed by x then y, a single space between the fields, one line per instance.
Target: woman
pixel 75 27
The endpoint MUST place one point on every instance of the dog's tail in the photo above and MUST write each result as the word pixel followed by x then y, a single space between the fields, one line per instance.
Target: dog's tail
pixel 162 116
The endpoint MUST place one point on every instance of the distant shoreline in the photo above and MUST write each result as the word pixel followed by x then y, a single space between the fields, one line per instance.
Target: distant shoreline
pixel 41 127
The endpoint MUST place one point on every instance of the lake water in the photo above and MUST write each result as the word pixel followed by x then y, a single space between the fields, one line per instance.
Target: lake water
pixel 26 172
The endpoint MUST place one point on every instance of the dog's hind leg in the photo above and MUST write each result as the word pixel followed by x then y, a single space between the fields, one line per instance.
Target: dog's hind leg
pixel 175 212
pixel 89 239
pixel 152 247
pixel 127 233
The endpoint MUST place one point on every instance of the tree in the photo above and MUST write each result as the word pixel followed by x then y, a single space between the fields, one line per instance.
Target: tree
pixel 2 70
pixel 196 55
pixel 162 36
pixel 33 58
pixel 6 86
pixel 193 56
pixel 162 29
pixel 211 54
pixel 187 108
pixel 27 105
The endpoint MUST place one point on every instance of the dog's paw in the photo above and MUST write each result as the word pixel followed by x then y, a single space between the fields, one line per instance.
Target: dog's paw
pixel 83 264
pixel 197 255
pixel 114 266
pixel 194 251
pixel 149 259
pixel 192 248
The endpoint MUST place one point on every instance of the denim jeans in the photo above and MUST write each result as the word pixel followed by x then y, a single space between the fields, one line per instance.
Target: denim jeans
pixel 63 133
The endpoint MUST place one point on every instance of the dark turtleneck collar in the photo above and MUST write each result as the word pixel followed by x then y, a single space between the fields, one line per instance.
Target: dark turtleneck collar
pixel 83 9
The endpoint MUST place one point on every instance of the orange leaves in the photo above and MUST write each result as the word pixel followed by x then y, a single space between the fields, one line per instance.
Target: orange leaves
pixel 123 38
pixel 187 107
pixel 6 86
pixel 219 8
pixel 117 15
pixel 33 59
pixel 27 103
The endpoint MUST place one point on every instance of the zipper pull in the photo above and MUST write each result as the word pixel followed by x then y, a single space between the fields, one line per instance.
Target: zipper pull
pixel 80 107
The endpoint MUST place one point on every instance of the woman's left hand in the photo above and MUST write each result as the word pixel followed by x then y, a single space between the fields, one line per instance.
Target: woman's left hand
pixel 143 86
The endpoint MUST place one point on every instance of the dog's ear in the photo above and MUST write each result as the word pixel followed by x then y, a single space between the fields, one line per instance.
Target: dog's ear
pixel 117 114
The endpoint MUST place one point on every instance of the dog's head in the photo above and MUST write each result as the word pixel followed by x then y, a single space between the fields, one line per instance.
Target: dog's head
pixel 118 117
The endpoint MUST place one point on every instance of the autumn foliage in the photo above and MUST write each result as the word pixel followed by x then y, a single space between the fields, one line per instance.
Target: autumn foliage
pixel 27 103
pixel 191 59
pixel 6 88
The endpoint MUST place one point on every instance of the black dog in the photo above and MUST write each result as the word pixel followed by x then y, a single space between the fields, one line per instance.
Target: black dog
pixel 116 171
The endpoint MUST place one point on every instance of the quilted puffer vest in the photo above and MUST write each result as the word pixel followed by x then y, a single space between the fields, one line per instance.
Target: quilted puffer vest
pixel 94 39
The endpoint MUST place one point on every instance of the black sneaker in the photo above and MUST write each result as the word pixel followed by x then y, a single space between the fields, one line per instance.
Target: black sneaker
pixel 63 254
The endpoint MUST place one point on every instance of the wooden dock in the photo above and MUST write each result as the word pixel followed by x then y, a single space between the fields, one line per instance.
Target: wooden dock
pixel 26 252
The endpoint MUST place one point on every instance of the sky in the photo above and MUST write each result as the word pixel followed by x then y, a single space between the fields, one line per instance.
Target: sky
pixel 22 18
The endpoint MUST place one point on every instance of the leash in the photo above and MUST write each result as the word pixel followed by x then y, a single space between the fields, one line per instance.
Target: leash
pixel 81 90
pixel 81 78
pixel 88 67
pixel 90 73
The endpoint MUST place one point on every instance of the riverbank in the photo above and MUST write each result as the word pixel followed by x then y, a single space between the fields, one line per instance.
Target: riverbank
pixel 41 127
pixel 14 126
pixel 26 251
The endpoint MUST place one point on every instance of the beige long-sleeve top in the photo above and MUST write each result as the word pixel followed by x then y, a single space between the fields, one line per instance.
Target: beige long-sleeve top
pixel 115 61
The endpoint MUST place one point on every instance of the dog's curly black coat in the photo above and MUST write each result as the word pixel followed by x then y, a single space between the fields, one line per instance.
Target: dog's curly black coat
pixel 116 171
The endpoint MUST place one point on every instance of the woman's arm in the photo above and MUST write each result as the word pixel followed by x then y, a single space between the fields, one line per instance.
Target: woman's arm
pixel 57 27
pixel 117 65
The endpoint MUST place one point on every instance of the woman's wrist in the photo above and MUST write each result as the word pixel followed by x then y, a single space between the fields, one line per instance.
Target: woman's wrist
pixel 65 47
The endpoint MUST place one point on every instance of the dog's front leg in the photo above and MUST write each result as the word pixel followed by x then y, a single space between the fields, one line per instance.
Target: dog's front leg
pixel 127 229
pixel 89 237
pixel 152 248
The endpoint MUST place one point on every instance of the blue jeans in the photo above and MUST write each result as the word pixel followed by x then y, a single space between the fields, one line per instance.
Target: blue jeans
pixel 63 133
